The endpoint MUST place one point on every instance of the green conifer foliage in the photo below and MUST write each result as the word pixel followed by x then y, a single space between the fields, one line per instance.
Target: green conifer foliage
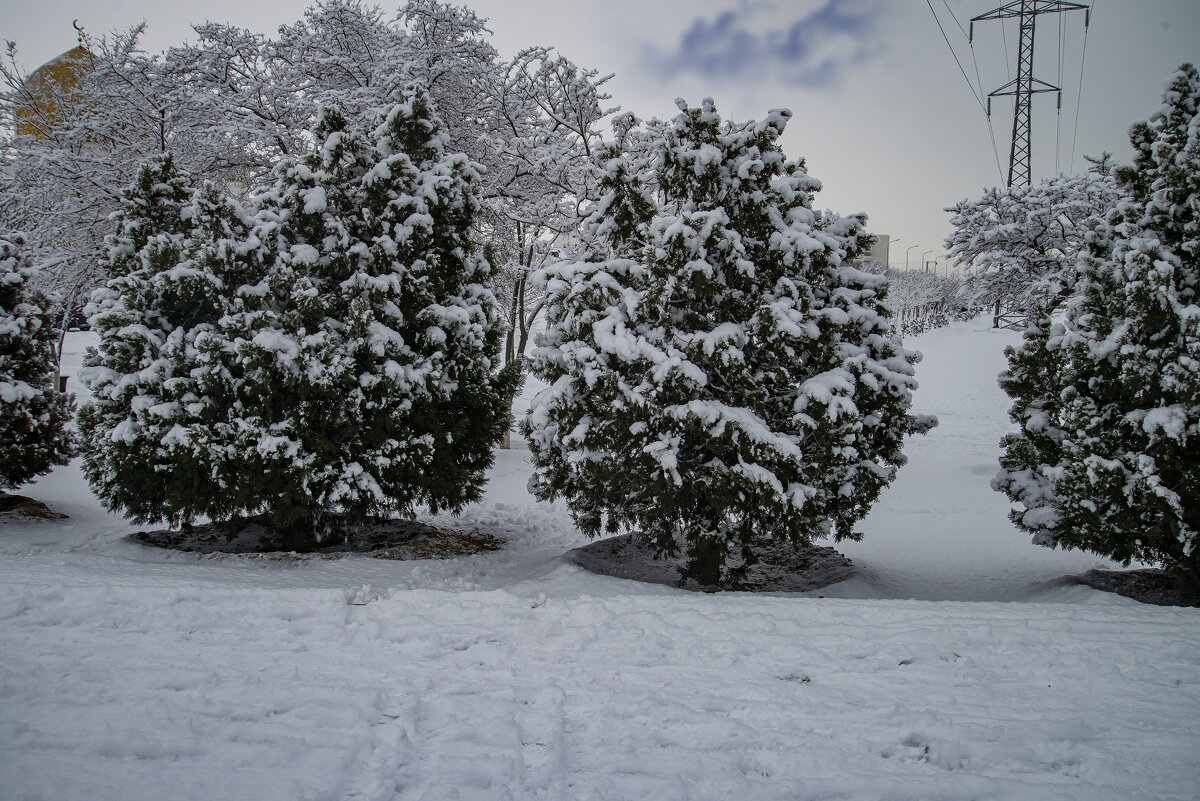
pixel 144 435
pixel 371 381
pixel 720 375
pixel 1108 401
pixel 335 353
pixel 34 415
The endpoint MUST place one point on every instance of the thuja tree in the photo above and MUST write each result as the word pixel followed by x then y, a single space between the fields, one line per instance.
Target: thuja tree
pixel 34 415
pixel 1108 400
pixel 333 354
pixel 720 375
pixel 371 380
pixel 149 436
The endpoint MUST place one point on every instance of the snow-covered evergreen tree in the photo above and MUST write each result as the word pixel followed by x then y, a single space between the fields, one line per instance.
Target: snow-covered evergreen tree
pixel 34 415
pixel 335 353
pixel 147 444
pixel 720 374
pixel 370 365
pixel 1108 402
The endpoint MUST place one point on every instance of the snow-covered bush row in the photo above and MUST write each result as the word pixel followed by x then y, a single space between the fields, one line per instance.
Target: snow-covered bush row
pixel 921 300
pixel 331 348
pixel 721 374
pixel 231 103
pixel 1108 398
pixel 34 414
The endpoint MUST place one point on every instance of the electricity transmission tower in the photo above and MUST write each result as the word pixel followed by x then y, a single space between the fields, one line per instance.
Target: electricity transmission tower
pixel 1024 86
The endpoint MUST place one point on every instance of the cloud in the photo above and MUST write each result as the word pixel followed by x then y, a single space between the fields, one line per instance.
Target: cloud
pixel 759 40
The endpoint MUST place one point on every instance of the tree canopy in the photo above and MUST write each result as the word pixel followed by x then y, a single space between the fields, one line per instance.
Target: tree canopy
pixel 720 374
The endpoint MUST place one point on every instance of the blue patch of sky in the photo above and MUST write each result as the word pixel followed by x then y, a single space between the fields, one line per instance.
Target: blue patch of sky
pixel 750 42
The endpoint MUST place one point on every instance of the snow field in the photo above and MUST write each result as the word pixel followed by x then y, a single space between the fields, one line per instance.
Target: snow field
pixel 120 691
pixel 131 673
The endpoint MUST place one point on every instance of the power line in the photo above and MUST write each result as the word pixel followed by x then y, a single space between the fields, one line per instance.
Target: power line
pixel 1079 92
pixel 1004 36
pixel 991 129
pixel 978 80
pixel 995 150
pixel 954 17
pixel 987 111
pixel 956 61
pixel 1062 41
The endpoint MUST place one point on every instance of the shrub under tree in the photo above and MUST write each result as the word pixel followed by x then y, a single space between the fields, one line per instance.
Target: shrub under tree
pixel 1108 400
pixel 721 376
pixel 34 414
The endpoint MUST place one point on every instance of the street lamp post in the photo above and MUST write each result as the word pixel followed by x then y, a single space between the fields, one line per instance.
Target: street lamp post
pixel 924 266
pixel 910 247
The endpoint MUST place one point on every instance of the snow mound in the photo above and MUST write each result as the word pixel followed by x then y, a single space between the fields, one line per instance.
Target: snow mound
pixel 21 506
pixel 1150 586
pixel 784 567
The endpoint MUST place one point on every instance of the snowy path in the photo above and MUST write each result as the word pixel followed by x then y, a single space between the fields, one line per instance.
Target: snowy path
pixel 940 532
pixel 132 673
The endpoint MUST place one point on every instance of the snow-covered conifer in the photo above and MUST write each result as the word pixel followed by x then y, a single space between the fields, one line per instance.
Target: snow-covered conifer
pixel 371 371
pixel 147 444
pixel 1108 401
pixel 33 414
pixel 720 374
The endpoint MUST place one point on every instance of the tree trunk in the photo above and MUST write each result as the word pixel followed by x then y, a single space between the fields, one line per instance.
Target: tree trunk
pixel 509 353
pixel 521 313
pixel 705 557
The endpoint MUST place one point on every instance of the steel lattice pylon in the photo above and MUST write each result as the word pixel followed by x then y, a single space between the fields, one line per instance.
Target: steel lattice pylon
pixel 1024 86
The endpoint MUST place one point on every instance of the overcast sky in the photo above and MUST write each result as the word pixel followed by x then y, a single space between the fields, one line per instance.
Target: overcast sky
pixel 883 115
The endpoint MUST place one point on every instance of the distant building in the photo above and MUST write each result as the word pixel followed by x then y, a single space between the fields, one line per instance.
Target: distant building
pixel 879 251
pixel 53 81
pixel 878 254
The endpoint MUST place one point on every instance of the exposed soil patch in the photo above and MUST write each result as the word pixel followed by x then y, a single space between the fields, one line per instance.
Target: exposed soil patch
pixel 21 506
pixel 1150 586
pixel 380 539
pixel 783 567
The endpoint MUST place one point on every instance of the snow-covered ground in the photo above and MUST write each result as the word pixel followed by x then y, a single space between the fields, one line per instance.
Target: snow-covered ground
pixel 132 673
